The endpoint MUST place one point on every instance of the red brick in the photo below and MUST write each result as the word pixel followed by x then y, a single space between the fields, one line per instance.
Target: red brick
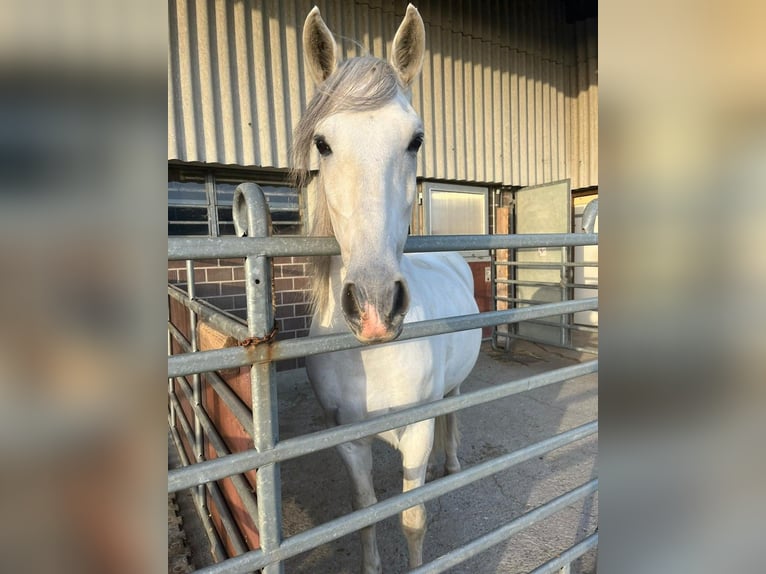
pixel 207 289
pixel 220 274
pixel 290 271
pixel 294 324
pixel 292 297
pixel 303 310
pixel 283 284
pixel 301 283
pixel 233 288
pixel 284 311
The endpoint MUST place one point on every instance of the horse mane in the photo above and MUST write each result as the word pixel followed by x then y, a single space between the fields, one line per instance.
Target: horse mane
pixel 358 84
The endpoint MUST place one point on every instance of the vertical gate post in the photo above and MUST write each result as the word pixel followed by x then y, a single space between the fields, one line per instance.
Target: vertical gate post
pixel 564 319
pixel 252 218
pixel 171 388
pixel 199 454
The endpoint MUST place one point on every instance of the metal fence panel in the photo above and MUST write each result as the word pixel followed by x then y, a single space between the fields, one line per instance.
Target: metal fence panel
pixel 260 351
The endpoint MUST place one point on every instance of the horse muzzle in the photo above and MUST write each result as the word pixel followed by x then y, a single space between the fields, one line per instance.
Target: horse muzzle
pixel 375 315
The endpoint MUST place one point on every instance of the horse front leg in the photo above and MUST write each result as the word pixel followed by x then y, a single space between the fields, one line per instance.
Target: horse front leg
pixel 357 456
pixel 415 445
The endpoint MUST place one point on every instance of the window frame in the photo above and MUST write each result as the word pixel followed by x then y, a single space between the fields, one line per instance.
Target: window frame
pixel 428 189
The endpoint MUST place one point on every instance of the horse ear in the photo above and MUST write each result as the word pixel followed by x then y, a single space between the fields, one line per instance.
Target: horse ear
pixel 319 47
pixel 409 46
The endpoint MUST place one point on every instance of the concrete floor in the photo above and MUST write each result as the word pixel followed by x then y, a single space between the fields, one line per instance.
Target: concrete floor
pixel 316 489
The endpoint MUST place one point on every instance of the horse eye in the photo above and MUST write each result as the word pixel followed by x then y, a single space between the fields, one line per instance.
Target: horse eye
pixel 322 146
pixel 415 144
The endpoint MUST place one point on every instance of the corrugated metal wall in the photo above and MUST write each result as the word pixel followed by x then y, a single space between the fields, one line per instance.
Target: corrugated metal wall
pixel 508 92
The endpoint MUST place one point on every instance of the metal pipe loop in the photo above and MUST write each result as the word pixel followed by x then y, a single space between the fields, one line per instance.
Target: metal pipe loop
pixel 250 211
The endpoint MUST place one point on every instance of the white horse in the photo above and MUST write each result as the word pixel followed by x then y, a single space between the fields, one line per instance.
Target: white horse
pixel 367 136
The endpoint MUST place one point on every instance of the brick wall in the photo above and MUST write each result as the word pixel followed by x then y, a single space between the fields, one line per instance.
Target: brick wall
pixel 221 282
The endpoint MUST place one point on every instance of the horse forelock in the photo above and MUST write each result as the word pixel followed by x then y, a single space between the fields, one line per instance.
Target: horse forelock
pixel 363 83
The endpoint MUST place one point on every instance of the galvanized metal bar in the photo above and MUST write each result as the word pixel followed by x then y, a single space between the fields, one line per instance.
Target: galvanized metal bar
pixel 564 335
pixel 568 556
pixel 531 302
pixel 251 217
pixel 217 247
pixel 226 518
pixel 533 264
pixel 591 350
pixel 299 446
pixel 179 337
pixel 216 547
pixel 186 427
pixel 229 523
pixel 227 324
pixel 545 284
pixel 471 549
pixel 293 348
pixel 221 450
pixel 228 396
pixel 361 518
pixel 572 327
pixel 196 381
pixel 238 408
pixel 171 389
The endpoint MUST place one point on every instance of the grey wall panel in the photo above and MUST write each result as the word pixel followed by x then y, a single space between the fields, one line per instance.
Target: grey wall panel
pixel 508 92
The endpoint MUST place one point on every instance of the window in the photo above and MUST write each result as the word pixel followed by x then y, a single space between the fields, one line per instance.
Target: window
pixel 200 201
pixel 456 210
pixel 188 205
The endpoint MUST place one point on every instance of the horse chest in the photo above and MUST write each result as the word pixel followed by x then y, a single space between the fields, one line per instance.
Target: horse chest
pixel 365 382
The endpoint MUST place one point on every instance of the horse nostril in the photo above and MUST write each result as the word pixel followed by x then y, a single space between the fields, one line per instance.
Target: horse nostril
pixel 349 301
pixel 401 299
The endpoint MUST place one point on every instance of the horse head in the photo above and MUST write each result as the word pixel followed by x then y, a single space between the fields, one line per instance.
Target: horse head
pixel 367 136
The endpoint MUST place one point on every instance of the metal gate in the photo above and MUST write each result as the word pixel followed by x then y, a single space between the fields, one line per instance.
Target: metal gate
pixel 538 275
pixel 258 348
